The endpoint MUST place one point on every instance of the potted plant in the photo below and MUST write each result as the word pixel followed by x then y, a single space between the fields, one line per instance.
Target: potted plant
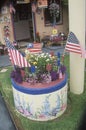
pixel 40 90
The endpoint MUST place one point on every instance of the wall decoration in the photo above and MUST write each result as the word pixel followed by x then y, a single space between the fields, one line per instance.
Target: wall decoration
pixel 1 19
pixel 6 30
pixel 39 10
pixel 54 31
pixel 4 10
pixel 5 19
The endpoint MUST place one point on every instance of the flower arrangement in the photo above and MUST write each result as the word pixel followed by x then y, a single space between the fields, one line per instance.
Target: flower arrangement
pixel 44 68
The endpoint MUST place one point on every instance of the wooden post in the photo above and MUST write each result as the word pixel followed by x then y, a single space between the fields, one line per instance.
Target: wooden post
pixel 77 63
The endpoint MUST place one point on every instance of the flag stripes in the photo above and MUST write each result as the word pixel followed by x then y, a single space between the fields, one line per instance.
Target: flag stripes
pixel 37 45
pixel 37 48
pixel 73 44
pixel 15 56
pixel 33 50
pixel 73 48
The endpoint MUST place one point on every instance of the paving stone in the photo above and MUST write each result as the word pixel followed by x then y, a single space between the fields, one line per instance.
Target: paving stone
pixel 6 122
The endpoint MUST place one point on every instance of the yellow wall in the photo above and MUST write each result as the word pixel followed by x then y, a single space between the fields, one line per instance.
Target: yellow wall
pixel 47 30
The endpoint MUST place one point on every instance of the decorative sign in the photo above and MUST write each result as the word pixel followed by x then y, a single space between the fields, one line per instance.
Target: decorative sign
pixel 4 10
pixel 42 3
pixel 54 31
pixel 34 48
pixel 6 30
pixel 5 19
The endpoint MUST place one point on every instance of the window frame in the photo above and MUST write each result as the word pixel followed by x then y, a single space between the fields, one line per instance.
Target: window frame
pixel 59 21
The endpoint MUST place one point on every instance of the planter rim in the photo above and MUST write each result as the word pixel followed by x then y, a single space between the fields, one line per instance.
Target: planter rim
pixel 38 91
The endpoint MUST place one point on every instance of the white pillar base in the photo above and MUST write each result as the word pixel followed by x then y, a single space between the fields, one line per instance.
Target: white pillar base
pixel 77 63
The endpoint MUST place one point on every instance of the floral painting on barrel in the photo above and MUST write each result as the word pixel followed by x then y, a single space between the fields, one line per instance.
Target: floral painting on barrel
pixel 42 107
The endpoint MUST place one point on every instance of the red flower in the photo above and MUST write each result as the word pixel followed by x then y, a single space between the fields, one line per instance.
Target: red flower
pixel 48 67
pixel 22 73
pixel 52 53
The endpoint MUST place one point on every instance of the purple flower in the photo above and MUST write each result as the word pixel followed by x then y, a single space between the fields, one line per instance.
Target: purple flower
pixel 12 74
pixel 63 69
pixel 19 80
pixel 16 75
pixel 54 75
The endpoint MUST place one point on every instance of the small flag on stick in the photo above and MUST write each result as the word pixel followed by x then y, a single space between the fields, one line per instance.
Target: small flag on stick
pixel 35 49
pixel 15 56
pixel 73 44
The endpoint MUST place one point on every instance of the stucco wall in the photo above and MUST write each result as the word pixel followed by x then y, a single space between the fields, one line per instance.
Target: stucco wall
pixel 6 24
pixel 47 30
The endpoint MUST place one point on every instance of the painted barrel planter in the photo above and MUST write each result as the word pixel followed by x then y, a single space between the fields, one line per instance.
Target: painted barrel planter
pixel 41 102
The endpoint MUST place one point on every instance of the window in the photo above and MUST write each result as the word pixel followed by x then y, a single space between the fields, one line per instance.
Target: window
pixel 48 19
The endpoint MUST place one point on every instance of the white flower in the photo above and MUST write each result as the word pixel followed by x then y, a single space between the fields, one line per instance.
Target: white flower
pixel 27 52
pixel 47 60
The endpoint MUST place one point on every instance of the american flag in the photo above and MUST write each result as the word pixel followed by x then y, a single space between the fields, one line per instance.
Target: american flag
pixel 37 48
pixel 15 56
pixel 73 44
pixel 33 50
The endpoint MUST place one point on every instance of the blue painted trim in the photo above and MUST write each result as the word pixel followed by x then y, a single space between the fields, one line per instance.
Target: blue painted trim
pixel 38 91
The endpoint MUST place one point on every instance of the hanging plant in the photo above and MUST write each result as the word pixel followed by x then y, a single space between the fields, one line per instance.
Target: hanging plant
pixel 54 10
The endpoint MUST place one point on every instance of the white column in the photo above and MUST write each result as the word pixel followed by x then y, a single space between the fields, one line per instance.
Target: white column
pixel 77 63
